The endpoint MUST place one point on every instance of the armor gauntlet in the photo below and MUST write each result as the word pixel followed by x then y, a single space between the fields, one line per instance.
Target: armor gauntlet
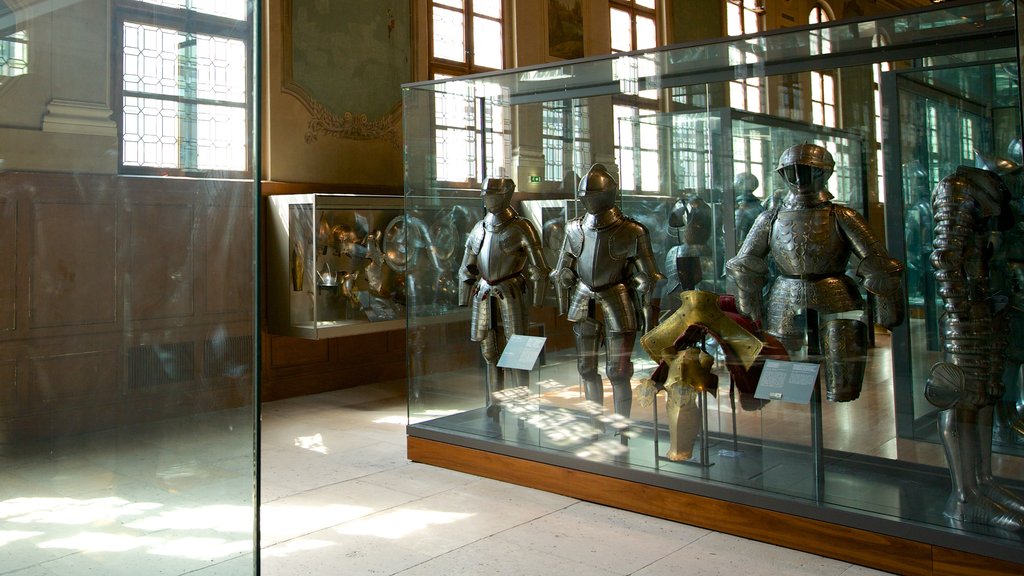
pixel 564 279
pixel 883 277
pixel 645 276
pixel 468 275
pixel 749 273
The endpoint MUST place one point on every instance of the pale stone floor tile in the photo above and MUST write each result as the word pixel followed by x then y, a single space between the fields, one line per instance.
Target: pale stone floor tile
pixel 420 480
pixel 724 555
pixel 490 558
pixel 327 553
pixel 603 537
pixel 446 521
pixel 315 510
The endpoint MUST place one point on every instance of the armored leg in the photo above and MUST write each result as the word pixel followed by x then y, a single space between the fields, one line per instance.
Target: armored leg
pixel 490 349
pixel 844 345
pixel 619 367
pixel 515 319
pixel 588 344
pixel 958 428
pixel 987 484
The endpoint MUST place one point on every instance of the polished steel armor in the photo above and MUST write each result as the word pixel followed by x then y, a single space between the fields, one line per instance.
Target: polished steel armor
pixel 811 241
pixel 606 262
pixel 502 273
pixel 970 207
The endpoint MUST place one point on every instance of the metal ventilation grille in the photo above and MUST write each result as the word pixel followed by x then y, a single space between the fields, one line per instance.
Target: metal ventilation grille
pixel 229 356
pixel 152 366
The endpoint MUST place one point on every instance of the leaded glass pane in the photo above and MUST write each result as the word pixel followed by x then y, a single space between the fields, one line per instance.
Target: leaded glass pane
pixel 487 48
pixel 14 54
pixel 449 35
pixel 646 36
pixel 490 8
pixel 622 31
pixel 234 9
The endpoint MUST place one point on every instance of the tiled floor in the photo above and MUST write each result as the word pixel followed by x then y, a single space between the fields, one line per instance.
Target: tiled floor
pixel 340 497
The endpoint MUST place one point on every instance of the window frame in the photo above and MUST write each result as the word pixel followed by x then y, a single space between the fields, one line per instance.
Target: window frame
pixel 443 67
pixel 631 8
pixel 185 21
pixel 753 84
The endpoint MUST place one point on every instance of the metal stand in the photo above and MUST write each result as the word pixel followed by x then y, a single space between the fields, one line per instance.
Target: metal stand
pixel 817 434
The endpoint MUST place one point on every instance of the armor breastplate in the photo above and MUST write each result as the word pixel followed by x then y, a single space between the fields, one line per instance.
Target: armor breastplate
pixel 597 267
pixel 499 258
pixel 806 243
pixel 609 241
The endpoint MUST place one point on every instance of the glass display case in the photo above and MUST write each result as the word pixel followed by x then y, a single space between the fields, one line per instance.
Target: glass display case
pixel 815 419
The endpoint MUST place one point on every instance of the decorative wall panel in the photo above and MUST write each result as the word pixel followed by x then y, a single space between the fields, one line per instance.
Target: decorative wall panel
pixel 228 250
pixel 158 234
pixel 73 266
pixel 8 265
pixel 69 377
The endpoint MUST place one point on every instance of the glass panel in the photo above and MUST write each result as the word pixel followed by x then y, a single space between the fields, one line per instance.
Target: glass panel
pixel 646 36
pixel 622 31
pixel 698 166
pixel 128 304
pixel 652 4
pixel 733 19
pixel 457 4
pixel 235 9
pixel 487 43
pixel 490 8
pixel 449 35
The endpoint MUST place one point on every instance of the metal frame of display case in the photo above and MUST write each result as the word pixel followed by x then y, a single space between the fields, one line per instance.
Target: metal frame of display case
pixel 901 530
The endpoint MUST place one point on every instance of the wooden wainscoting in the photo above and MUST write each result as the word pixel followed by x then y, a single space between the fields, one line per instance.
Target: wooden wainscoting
pixel 122 300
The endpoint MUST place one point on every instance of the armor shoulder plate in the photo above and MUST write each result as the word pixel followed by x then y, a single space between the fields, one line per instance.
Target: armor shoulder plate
pixel 475 240
pixel 520 232
pixel 574 237
pixel 623 241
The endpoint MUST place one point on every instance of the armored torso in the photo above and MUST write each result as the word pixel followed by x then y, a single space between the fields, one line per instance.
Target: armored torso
pixel 806 243
pixel 604 244
pixel 499 241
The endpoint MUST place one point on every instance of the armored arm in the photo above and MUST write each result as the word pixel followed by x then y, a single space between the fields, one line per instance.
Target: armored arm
pixel 879 273
pixel 469 273
pixel 644 275
pixel 748 270
pixel 564 276
pixel 537 270
pixel 955 260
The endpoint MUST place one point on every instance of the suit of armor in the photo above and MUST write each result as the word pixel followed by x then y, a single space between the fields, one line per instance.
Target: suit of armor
pixel 748 206
pixel 502 273
pixel 971 207
pixel 606 262
pixel 811 241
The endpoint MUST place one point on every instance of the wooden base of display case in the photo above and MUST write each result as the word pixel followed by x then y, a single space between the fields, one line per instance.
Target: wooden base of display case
pixel 862 547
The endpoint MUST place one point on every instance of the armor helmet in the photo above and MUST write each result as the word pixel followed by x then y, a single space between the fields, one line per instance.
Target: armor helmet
pixel 497 194
pixel 806 166
pixel 598 189
pixel 1016 150
pixel 1000 166
pixel 745 183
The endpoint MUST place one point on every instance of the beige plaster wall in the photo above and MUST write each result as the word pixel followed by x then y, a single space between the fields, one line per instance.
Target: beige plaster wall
pixel 293 150
pixel 57 117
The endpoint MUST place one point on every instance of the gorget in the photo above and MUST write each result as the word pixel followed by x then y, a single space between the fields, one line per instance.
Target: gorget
pixel 493 222
pixel 603 219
